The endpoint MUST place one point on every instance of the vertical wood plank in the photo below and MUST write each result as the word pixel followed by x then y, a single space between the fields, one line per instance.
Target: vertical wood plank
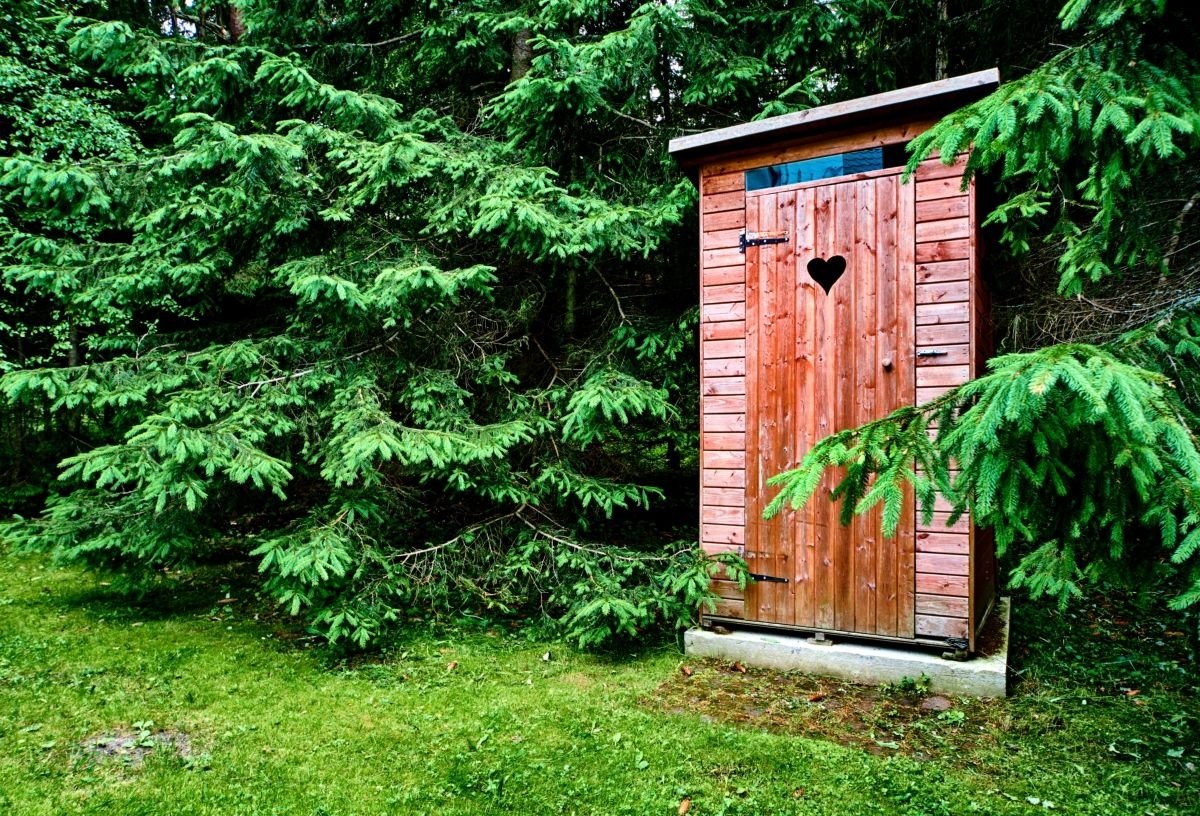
pixel 785 269
pixel 753 409
pixel 843 292
pixel 824 520
pixel 807 304
pixel 768 398
pixel 906 387
pixel 866 527
pixel 887 199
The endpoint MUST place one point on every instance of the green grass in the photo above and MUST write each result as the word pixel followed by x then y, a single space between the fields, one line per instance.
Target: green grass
pixel 276 728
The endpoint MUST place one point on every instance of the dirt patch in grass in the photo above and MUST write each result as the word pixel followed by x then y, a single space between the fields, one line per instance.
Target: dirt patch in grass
pixel 883 720
pixel 130 747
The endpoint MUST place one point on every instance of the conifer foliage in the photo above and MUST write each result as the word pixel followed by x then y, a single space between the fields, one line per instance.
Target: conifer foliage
pixel 1082 458
pixel 397 300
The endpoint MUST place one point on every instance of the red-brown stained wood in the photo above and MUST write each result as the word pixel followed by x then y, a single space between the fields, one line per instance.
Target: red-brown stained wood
pixel 938 251
pixel 943 335
pixel 942 584
pixel 723 515
pixel 944 230
pixel 729 219
pixel 729 256
pixel 723 459
pixel 730 608
pixel 723 441
pixel 939 188
pixel 888 388
pixel 723 497
pixel 728 589
pixel 955 543
pixel 722 201
pixel 718 239
pixel 724 422
pixel 718 547
pixel 782 440
pixel 754 479
pixel 933 167
pixel 723 477
pixel 867 251
pixel 906 304
pixel 941 564
pixel 950 355
pixel 725 183
pixel 939 208
pixel 722 312
pixel 946 606
pixel 723 533
pixel 723 276
pixel 805 383
pixel 943 375
pixel 943 292
pixel 784 364
pixel 939 524
pixel 714 349
pixel 723 405
pixel 732 367
pixel 929 313
pixel 935 626
pixel 942 271
pixel 714 386
pixel 729 330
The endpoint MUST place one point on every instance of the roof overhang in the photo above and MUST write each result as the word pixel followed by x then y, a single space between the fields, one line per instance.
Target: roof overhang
pixel 932 98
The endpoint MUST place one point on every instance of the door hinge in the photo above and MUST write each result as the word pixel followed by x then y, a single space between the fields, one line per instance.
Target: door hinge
pixel 770 579
pixel 745 240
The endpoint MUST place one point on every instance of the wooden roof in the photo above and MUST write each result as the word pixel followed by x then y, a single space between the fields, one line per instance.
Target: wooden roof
pixel 932 97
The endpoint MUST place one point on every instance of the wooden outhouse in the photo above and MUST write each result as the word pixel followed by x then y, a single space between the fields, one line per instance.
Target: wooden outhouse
pixel 832 292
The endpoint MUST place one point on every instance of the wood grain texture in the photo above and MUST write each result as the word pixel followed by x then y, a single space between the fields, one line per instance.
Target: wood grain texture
pixel 943 292
pixel 942 271
pixel 948 229
pixel 939 250
pixel 946 606
pixel 727 330
pixel 722 220
pixel 714 349
pixel 937 626
pixel 906 549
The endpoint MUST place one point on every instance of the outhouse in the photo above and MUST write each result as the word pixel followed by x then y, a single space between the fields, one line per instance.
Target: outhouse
pixel 833 292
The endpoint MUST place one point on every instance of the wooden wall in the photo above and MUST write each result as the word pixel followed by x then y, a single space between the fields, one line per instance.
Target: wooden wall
pixel 948 297
pixel 723 374
pixel 945 237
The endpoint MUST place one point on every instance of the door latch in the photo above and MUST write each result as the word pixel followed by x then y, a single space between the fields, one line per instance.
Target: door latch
pixel 745 240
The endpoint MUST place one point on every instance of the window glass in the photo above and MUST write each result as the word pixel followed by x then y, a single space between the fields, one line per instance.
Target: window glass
pixel 815 169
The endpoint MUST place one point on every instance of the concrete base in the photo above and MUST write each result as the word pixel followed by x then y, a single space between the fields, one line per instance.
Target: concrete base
pixel 982 676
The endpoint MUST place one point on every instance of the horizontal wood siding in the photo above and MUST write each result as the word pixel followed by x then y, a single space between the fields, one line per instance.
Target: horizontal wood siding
pixel 723 377
pixel 946 357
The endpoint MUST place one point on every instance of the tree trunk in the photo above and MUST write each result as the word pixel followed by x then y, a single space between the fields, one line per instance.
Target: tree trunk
pixel 237 26
pixel 941 58
pixel 522 55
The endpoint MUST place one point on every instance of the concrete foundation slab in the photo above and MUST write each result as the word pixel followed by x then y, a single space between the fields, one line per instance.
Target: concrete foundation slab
pixel 982 676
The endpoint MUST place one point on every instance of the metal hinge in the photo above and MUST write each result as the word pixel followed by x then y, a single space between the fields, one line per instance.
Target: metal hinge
pixel 770 579
pixel 745 240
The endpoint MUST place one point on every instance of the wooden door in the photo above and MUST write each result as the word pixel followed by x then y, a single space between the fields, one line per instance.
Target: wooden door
pixel 818 363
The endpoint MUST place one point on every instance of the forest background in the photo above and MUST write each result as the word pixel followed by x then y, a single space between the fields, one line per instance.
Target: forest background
pixel 396 302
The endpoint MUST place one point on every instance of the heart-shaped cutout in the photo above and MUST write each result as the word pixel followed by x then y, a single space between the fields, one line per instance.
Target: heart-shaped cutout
pixel 826 272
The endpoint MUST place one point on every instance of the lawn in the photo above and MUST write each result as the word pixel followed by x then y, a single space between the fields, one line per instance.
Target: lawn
pixel 182 703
